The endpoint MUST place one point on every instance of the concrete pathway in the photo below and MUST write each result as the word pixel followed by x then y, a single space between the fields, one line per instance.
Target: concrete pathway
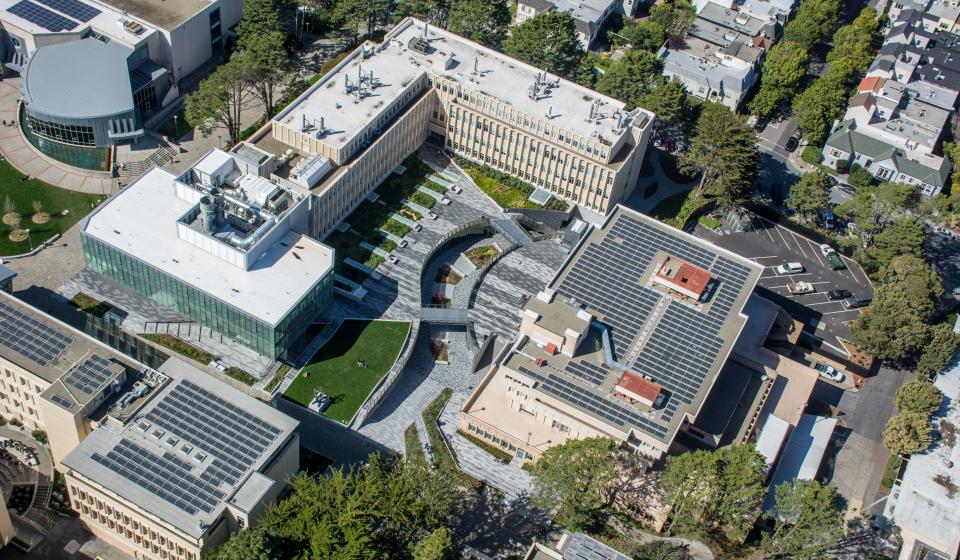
pixel 666 187
pixel 23 156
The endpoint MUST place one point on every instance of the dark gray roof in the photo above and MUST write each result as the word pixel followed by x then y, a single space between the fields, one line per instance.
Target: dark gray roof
pixel 79 79
pixel 849 140
pixel 538 5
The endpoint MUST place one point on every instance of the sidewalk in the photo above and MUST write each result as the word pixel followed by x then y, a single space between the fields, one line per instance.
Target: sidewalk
pixel 29 161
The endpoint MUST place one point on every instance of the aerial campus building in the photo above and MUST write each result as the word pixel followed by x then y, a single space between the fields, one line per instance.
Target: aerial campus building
pixel 175 472
pixel 626 341
pixel 221 243
pixel 93 72
pixel 163 463
pixel 378 105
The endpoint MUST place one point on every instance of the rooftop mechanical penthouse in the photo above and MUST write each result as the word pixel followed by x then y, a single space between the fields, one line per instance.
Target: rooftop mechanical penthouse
pixel 221 243
pixel 379 104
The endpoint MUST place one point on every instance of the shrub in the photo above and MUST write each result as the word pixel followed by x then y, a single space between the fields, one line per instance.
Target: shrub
pixel 859 177
pixel 843 165
pixel 908 433
pixel 40 436
pixel 241 376
pixel 811 155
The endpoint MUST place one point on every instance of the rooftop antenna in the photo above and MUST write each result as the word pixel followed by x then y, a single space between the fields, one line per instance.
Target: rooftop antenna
pixel 592 106
pixel 425 26
pixel 476 68
pixel 550 112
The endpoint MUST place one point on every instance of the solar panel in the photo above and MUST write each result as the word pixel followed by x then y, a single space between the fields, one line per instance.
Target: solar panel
pixel 73 8
pixel 34 13
pixel 61 401
pixel 31 338
pixel 170 480
pixel 90 375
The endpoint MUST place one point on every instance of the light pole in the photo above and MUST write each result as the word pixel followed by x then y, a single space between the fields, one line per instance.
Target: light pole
pixel 29 239
pixel 176 129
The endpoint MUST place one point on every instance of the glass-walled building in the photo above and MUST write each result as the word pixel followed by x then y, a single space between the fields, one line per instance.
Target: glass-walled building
pixel 220 245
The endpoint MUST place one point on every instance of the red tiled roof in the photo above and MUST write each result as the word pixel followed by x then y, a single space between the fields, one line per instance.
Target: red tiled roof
pixel 688 276
pixel 639 386
pixel 873 83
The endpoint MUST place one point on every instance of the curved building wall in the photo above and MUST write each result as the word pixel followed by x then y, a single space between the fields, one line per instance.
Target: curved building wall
pixel 99 132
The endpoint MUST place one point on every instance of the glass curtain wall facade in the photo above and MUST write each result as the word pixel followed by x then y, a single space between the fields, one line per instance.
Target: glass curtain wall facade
pixel 205 309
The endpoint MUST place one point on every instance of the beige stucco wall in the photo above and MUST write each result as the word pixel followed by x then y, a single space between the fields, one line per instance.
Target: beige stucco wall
pixel 20 394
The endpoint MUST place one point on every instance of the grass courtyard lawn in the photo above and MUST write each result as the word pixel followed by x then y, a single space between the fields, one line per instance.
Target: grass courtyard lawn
pixel 54 200
pixel 334 368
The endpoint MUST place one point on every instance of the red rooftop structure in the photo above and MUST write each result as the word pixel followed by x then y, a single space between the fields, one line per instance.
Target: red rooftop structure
pixel 682 277
pixel 637 389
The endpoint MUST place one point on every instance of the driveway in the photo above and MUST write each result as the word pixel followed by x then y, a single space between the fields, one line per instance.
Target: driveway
pixel 770 244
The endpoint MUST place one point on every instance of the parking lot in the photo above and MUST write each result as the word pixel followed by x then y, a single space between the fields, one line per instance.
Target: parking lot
pixel 770 245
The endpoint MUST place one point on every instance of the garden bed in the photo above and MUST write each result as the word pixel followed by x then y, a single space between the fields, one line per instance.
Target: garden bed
pixel 412 446
pixel 350 365
pixel 179 346
pixel 240 375
pixel 440 350
pixel 277 378
pixel 90 305
pixel 507 191
pixel 448 275
pixel 443 459
pixel 423 199
pixel 481 256
pixel 497 453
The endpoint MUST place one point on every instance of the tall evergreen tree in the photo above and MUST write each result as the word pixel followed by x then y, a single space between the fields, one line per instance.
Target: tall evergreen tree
pixel 548 41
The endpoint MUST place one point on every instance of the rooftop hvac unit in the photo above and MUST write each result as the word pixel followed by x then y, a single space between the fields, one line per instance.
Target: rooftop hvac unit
pixel 418 44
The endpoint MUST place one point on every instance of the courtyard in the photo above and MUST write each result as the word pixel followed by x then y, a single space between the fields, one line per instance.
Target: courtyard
pixel 350 365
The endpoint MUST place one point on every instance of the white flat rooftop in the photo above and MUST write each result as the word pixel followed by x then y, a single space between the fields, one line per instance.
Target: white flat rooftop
pixel 924 505
pixel 141 220
pixel 585 10
pixel 396 66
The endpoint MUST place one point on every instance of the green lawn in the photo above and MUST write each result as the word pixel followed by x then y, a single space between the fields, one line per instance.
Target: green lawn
pixel 669 207
pixel 334 367
pixel 54 200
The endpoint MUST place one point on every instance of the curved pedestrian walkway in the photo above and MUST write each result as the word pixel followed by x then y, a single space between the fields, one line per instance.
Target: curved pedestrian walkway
pixel 23 156
pixel 666 187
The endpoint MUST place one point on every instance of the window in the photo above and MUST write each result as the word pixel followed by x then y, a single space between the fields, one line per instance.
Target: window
pixel 63 133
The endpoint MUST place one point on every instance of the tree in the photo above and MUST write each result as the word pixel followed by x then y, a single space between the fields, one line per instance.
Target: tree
pixel 859 178
pixel 919 396
pixel 724 151
pixel 259 17
pixel 483 21
pixel 902 236
pixel 435 11
pixel 361 15
pixel 810 195
pixel 438 545
pixel 570 479
pixel 889 329
pixel 246 544
pixel 548 41
pixel 818 106
pixel 718 492
pixel 808 521
pixel 813 22
pixel 218 101
pixel 668 101
pixel 631 78
pixel 939 351
pixel 675 18
pixel 661 550
pixel 908 433
pixel 914 280
pixel 783 69
pixel 646 35
pixel 264 65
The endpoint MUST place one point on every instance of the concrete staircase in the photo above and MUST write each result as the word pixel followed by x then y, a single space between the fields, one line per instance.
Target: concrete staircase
pixel 160 157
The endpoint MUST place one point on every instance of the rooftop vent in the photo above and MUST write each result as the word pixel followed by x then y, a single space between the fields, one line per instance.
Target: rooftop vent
pixel 419 44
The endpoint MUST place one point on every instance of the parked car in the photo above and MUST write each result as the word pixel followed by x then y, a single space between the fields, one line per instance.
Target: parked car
pixel 393 258
pixel 829 220
pixel 402 243
pixel 834 295
pixel 800 288
pixel 456 189
pixel 855 302
pixel 760 125
pixel 792 144
pixel 432 215
pixel 828 372
pixel 444 200
pixel 417 227
pixel 789 268
pixel 834 260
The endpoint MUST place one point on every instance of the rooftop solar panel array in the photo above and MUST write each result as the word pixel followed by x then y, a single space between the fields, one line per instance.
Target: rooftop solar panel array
pixel 90 375
pixel 73 8
pixel 227 440
pixel 37 14
pixel 170 480
pixel 234 437
pixel 680 349
pixel 31 338
pixel 61 401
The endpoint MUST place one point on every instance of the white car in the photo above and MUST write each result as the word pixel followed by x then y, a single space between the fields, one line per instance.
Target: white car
pixel 444 200
pixel 828 372
pixel 417 227
pixel 393 258
pixel 789 268
pixel 432 215
pixel 402 243
pixel 456 189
